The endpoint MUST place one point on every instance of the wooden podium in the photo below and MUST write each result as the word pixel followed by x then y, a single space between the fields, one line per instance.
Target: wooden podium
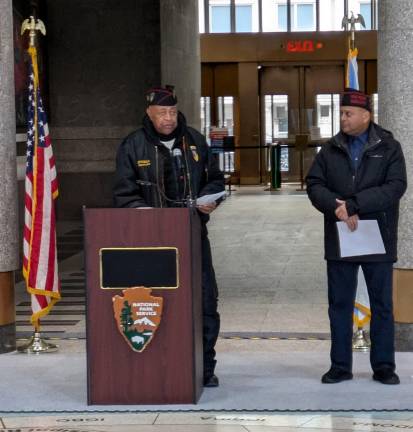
pixel 169 370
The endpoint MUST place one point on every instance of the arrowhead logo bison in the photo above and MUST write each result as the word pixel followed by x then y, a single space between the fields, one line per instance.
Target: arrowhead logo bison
pixel 137 315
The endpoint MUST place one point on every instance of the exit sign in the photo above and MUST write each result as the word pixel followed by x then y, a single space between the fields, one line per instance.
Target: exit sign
pixel 306 45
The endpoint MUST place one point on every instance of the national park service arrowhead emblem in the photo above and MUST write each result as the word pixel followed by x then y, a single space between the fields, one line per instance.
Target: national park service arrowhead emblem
pixel 138 315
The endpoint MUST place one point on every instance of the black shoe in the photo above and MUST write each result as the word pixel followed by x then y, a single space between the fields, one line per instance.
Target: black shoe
pixel 386 376
pixel 211 381
pixel 335 375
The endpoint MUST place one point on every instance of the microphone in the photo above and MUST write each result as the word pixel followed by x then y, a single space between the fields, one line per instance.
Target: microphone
pixel 177 155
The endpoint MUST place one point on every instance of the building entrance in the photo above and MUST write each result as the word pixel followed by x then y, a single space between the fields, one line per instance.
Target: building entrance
pixel 299 111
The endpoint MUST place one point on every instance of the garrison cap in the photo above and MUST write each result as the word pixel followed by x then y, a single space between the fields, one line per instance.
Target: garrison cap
pixel 352 97
pixel 164 96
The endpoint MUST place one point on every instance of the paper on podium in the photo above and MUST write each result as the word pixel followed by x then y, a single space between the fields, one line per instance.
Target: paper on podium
pixel 209 199
pixel 365 240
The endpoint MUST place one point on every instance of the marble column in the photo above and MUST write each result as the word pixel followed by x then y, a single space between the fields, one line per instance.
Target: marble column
pixel 395 89
pixel 180 55
pixel 9 258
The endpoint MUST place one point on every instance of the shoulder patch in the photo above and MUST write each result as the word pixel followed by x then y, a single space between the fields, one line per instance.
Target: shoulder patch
pixel 195 154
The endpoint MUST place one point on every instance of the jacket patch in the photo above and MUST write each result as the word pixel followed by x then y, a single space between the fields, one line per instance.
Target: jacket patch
pixel 194 153
pixel 143 163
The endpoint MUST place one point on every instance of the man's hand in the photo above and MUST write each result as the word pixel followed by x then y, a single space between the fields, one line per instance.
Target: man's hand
pixel 207 208
pixel 341 213
pixel 352 222
pixel 341 210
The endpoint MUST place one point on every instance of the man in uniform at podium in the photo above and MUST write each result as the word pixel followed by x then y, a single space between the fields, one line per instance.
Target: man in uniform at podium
pixel 166 163
pixel 359 174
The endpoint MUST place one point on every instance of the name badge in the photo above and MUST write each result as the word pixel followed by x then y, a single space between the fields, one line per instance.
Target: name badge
pixel 143 163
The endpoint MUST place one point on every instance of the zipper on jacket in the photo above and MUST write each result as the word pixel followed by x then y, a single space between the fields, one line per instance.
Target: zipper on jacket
pixel 157 176
pixel 184 146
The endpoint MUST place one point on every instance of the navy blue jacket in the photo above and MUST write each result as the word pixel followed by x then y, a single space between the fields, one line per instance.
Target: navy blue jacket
pixel 373 191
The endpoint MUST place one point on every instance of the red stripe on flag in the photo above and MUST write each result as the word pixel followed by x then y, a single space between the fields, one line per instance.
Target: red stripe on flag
pixel 37 224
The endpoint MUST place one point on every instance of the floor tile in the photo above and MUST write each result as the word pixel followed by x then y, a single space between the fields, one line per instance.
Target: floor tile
pixel 87 419
pixel 359 424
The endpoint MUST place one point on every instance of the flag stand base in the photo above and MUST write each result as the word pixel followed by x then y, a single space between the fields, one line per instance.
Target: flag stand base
pixel 361 341
pixel 37 345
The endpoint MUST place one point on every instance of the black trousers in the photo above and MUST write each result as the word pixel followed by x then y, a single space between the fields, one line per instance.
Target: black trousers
pixel 211 319
pixel 342 284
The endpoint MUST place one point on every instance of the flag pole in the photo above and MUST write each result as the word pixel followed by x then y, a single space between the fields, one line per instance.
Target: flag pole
pixel 35 345
pixel 361 341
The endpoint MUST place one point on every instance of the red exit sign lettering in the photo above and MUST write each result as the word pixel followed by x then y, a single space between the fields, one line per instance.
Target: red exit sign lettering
pixel 307 45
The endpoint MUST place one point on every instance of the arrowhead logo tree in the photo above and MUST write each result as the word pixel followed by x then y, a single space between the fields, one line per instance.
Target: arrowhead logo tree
pixel 137 315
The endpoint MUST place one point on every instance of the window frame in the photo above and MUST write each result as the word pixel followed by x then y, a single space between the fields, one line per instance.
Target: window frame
pixel 291 10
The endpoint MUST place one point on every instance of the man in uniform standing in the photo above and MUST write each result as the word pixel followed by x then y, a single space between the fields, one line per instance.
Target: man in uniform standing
pixel 359 174
pixel 165 163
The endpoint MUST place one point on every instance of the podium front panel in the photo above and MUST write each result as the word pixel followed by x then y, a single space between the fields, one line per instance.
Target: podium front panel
pixel 169 370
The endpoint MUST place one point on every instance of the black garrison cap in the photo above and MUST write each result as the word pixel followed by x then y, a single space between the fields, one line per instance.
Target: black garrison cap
pixel 164 96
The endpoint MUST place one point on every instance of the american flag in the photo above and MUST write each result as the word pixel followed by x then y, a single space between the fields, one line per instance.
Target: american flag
pixel 39 237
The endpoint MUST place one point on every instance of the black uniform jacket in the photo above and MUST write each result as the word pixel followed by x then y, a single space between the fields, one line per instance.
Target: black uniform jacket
pixel 372 191
pixel 145 174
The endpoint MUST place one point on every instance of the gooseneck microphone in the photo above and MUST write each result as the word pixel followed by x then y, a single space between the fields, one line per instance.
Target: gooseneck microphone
pixel 177 156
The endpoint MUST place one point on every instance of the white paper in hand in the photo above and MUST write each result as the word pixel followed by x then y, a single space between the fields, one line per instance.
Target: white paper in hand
pixel 209 199
pixel 365 240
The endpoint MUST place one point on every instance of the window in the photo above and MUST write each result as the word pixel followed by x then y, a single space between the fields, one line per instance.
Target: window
pixel 276 123
pixel 225 16
pixel 246 16
pixel 328 115
pixel 274 15
pixel 362 7
pixel 219 16
pixel 206 117
pixel 303 15
pixel 365 11
pixel 243 19
pixel 331 14
pixel 226 120
pixel 201 16
pixel 282 17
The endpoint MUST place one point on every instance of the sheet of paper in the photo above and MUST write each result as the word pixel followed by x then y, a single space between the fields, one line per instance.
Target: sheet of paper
pixel 365 240
pixel 209 199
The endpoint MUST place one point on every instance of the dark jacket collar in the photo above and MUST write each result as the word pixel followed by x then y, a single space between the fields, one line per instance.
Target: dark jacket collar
pixel 377 134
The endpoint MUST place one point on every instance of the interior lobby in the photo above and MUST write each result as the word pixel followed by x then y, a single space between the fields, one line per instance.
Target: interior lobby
pixel 261 80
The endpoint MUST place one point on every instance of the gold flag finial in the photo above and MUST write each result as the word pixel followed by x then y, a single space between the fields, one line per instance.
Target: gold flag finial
pixel 33 25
